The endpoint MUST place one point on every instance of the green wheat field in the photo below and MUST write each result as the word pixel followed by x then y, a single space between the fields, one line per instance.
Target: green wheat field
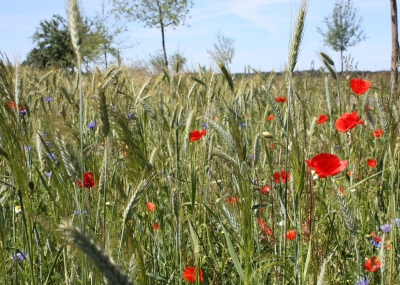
pixel 199 178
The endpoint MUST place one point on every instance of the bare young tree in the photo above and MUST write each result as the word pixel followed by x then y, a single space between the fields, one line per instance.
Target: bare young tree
pixel 223 51
pixel 344 28
pixel 155 13
pixel 395 51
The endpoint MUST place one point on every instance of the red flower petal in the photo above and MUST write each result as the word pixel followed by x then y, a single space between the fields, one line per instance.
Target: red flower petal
pixel 378 133
pixel 322 119
pixel 359 86
pixel 291 235
pixel 326 164
pixel 372 163
pixel 196 135
pixel 88 180
pixel 347 122
pixel 150 206
pixel 280 99
pixel 190 274
pixel 372 265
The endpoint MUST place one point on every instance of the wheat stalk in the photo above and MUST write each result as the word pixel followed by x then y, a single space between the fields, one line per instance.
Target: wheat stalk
pixel 227 76
pixel 298 36
pixel 382 115
pixel 347 215
pixel 140 190
pixel 321 276
pixel 103 262
pixel 225 135
pixel 257 148
pixel 104 112
pixel 74 22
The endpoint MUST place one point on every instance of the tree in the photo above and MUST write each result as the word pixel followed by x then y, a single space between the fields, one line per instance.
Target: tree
pixel 223 51
pixel 112 45
pixel 155 13
pixel 344 28
pixel 54 46
pixel 395 51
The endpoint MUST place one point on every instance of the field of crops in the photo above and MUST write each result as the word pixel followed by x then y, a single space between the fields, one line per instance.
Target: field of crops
pixel 110 177
pixel 206 178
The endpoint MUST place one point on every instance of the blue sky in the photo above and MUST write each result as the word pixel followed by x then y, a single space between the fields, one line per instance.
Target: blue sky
pixel 261 30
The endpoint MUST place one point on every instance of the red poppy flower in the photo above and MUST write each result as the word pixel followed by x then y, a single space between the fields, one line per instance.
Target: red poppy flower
pixel 291 235
pixel 190 275
pixel 265 190
pixel 156 226
pixel 322 119
pixel 196 135
pixel 233 200
pixel 326 164
pixel 270 117
pixel 283 176
pixel 12 104
pixel 88 180
pixel 264 227
pixel 372 264
pixel 359 86
pixel 280 99
pixel 347 122
pixel 150 206
pixel 372 163
pixel 378 133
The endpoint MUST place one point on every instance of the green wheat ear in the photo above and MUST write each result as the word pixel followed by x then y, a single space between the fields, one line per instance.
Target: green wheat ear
pixel 347 215
pixel 104 112
pixel 298 36
pixel 227 76
pixel 103 262
pixel 74 22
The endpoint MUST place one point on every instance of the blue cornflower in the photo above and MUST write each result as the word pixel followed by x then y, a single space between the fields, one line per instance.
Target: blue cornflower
pixel 363 281
pixel 20 256
pixel 205 126
pixel 386 228
pixel 27 147
pixel 396 222
pixel 376 241
pixel 76 213
pixel 48 99
pixel 242 125
pixel 48 174
pixel 22 111
pixel 251 157
pixel 91 125
pixel 52 156
pixel 48 143
pixel 128 116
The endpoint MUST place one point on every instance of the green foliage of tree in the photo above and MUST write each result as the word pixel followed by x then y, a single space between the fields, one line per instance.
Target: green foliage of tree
pixel 155 13
pixel 344 28
pixel 223 51
pixel 54 46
